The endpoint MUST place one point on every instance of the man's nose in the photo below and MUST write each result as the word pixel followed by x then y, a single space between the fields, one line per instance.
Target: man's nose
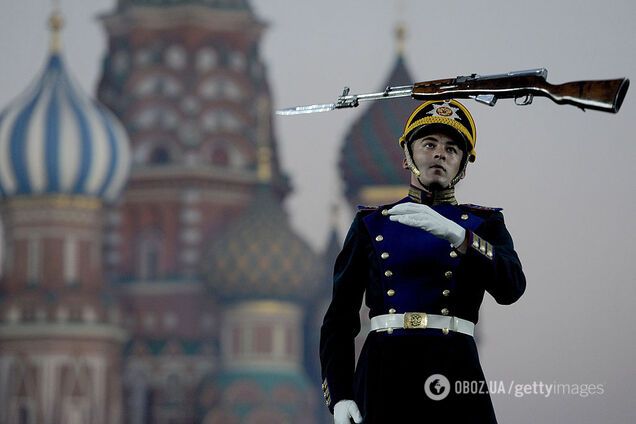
pixel 440 152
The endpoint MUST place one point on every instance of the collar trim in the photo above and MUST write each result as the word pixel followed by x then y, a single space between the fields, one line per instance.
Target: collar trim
pixel 430 198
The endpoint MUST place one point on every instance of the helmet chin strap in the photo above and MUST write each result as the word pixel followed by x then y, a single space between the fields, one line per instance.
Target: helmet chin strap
pixel 409 162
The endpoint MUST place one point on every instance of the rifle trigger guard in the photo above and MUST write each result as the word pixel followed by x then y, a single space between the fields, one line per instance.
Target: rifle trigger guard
pixel 524 101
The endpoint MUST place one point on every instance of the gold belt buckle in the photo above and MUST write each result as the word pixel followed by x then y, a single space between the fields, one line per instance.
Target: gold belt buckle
pixel 415 320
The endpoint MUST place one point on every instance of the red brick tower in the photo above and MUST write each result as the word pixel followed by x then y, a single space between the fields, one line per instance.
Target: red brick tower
pixel 187 80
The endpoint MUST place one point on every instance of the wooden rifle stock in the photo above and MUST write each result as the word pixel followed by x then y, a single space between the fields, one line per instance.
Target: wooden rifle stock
pixel 603 95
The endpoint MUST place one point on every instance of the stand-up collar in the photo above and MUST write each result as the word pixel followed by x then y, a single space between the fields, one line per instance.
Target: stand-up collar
pixel 431 198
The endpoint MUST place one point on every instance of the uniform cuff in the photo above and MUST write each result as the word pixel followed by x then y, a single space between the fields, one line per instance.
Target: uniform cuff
pixel 480 245
pixel 332 398
pixel 326 394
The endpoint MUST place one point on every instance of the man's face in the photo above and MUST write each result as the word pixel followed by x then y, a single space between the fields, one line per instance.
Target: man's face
pixel 438 157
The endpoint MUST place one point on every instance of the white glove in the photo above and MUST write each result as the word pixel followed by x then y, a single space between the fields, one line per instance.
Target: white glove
pixel 344 410
pixel 422 216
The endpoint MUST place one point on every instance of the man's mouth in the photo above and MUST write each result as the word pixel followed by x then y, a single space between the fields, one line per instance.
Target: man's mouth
pixel 438 167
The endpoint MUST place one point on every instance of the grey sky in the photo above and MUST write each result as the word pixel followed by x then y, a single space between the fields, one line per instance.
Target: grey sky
pixel 563 177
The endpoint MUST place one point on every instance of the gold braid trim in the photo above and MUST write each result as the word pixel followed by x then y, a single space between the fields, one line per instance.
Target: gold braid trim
pixel 444 196
pixel 433 198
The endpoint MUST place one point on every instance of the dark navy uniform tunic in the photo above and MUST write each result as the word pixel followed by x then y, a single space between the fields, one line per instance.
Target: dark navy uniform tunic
pixel 406 269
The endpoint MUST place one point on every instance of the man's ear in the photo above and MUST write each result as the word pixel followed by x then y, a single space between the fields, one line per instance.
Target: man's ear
pixel 404 164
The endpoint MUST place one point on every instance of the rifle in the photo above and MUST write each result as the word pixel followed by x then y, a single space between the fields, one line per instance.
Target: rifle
pixel 603 95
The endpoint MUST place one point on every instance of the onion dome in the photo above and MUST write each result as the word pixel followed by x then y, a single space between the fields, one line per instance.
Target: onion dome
pixel 260 256
pixel 371 155
pixel 54 139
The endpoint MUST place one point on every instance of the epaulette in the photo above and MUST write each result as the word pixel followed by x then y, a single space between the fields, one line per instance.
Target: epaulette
pixel 478 208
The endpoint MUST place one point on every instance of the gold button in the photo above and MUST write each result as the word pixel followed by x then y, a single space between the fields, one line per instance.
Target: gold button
pixel 391 311
pixel 388 273
pixel 379 238
pixel 384 255
pixel 385 212
pixel 453 254
pixel 444 331
pixel 444 311
pixel 389 331
pixel 446 293
pixel 390 292
pixel 448 274
pixel 464 216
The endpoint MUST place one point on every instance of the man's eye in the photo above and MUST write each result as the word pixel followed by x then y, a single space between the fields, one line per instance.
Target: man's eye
pixel 429 145
pixel 451 150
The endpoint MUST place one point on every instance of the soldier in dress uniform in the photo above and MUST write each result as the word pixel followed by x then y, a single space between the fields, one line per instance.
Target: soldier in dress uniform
pixel 422 264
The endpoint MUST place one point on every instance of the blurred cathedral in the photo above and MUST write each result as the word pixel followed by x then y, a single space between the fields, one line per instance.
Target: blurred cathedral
pixel 150 272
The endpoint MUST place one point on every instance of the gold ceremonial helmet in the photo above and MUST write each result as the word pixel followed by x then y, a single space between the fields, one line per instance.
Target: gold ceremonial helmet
pixel 440 115
pixel 449 113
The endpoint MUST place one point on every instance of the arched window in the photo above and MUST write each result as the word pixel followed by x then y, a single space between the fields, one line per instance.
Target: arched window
pixel 231 90
pixel 156 151
pixel 153 85
pixel 229 121
pixel 221 120
pixel 147 86
pixel 221 88
pixel 144 57
pixel 22 392
pixel 237 61
pixel 34 261
pixel 263 340
pixel 224 153
pixel 159 156
pixel 220 156
pixel 176 57
pixel 206 59
pixel 153 117
pixel 121 61
pixel 76 382
pixel 149 255
pixel 170 86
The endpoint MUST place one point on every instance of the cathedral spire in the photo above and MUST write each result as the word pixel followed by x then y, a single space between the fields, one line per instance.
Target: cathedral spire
pixel 400 29
pixel 56 23
pixel 400 38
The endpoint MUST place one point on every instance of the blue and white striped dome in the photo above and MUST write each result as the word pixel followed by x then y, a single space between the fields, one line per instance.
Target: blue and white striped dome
pixel 55 139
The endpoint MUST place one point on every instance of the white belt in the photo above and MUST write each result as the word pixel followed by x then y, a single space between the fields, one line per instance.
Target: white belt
pixel 421 320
